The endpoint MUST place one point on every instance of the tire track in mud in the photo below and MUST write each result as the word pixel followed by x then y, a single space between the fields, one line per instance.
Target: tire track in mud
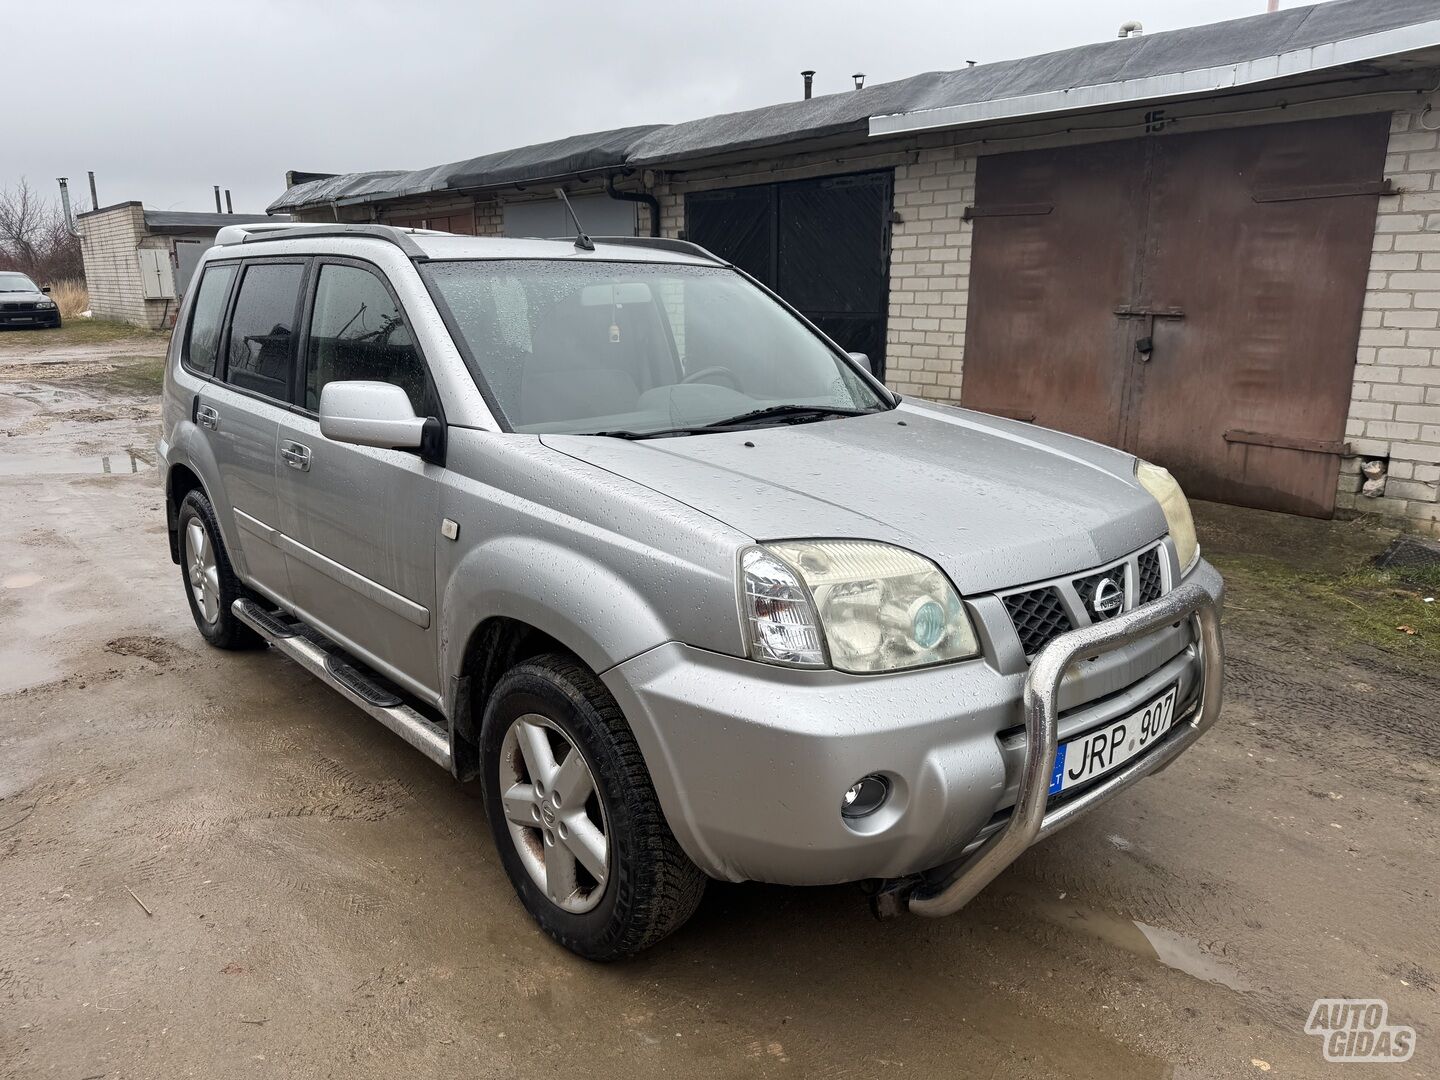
pixel 320 786
pixel 321 789
pixel 1360 732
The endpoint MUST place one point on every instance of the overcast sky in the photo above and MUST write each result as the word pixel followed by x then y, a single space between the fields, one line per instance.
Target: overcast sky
pixel 164 99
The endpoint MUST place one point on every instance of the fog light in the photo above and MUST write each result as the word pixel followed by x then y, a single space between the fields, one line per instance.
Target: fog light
pixel 865 796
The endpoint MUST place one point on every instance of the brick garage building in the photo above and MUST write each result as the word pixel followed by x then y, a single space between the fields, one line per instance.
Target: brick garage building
pixel 1217 247
pixel 138 262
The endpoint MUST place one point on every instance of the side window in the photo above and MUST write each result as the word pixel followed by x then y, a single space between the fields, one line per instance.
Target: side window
pixel 358 332
pixel 262 341
pixel 202 347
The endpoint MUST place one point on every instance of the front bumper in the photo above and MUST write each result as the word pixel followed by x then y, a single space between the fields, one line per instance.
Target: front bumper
pixel 30 319
pixel 750 761
pixel 1031 816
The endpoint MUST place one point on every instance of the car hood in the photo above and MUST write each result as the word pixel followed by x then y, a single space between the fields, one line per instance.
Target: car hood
pixel 995 502
pixel 26 297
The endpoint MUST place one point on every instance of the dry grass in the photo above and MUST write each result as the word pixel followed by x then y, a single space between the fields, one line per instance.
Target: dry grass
pixel 81 332
pixel 72 296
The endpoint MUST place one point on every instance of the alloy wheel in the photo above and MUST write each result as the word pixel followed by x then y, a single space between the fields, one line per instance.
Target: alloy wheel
pixel 202 571
pixel 554 813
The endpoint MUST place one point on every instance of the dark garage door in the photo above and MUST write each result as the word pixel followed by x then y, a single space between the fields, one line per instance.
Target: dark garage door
pixel 824 245
pixel 1194 299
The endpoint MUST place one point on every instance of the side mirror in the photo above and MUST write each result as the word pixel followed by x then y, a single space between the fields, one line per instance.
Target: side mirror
pixel 45 289
pixel 369 414
pixel 864 361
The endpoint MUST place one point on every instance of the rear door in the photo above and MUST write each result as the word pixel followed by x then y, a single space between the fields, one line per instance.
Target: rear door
pixel 359 524
pixel 240 413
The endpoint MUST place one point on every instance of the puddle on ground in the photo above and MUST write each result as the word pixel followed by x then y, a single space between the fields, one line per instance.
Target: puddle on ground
pixel 1152 942
pixel 120 463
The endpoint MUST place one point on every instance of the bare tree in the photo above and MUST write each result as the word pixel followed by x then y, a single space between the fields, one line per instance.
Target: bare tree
pixel 35 237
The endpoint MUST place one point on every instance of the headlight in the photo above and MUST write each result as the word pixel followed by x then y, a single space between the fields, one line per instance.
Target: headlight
pixel 858 605
pixel 1159 483
pixel 45 305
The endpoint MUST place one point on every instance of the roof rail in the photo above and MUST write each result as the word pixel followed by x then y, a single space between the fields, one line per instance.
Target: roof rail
pixel 254 234
pixel 663 243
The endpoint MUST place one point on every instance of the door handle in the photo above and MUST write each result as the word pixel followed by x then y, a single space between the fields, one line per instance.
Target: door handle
pixel 296 455
pixel 206 416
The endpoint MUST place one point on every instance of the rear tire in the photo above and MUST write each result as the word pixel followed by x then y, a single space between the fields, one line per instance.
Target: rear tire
pixel 543 711
pixel 210 583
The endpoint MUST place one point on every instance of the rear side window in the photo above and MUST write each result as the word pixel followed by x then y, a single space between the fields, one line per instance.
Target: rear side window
pixel 202 347
pixel 262 339
pixel 357 331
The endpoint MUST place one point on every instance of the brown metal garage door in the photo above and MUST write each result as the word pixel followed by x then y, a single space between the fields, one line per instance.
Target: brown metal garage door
pixel 1193 298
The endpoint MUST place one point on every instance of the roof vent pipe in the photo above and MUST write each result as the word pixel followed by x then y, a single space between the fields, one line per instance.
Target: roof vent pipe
pixel 64 182
pixel 809 77
pixel 1133 28
pixel 859 78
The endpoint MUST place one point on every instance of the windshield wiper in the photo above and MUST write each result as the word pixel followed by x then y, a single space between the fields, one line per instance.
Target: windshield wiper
pixel 796 413
pixel 790 412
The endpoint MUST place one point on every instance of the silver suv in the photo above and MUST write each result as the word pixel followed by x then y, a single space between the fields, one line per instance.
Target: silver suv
pixel 612 528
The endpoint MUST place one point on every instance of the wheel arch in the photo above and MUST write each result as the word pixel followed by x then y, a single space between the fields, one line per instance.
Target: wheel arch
pixel 582 605
pixel 180 480
pixel 511 599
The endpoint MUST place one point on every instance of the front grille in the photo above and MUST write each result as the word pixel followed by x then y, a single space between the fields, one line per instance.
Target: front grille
pixel 1086 588
pixel 1038 615
pixel 1152 584
pixel 17 306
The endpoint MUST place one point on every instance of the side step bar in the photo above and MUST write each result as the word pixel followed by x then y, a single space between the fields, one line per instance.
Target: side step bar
pixel 340 675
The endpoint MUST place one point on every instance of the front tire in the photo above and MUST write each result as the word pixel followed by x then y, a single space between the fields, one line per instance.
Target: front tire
pixel 210 583
pixel 575 817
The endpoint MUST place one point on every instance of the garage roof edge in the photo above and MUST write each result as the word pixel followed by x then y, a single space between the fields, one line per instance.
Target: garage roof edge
pixel 1193 81
pixel 1188 62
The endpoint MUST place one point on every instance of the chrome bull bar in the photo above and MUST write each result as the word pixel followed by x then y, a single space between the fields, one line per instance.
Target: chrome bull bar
pixel 1028 821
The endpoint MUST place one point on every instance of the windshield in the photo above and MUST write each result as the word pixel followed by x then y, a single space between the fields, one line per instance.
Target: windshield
pixel 16 283
pixel 588 346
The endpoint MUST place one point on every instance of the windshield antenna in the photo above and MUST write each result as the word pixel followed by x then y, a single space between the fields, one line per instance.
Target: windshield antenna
pixel 583 242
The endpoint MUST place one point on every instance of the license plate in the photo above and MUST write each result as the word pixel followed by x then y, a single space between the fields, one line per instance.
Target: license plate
pixel 1097 752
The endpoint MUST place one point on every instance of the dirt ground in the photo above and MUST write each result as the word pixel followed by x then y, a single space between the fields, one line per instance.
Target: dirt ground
pixel 211 866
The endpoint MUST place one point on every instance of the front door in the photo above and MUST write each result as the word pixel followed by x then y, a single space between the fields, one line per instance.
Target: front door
pixel 360 524
pixel 1194 299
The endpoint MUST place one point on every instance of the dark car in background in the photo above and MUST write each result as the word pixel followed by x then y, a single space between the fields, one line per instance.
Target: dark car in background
pixel 23 303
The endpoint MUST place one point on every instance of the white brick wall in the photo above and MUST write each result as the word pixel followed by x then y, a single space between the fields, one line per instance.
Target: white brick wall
pixel 108 243
pixel 672 212
pixel 1395 405
pixel 930 274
